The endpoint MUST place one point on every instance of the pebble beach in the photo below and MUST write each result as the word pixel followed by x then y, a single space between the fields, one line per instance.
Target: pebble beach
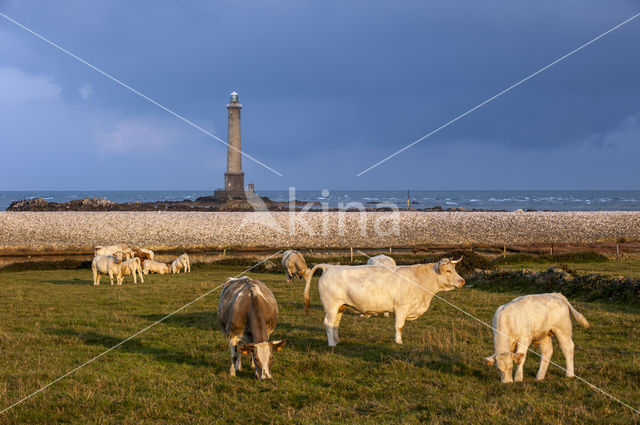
pixel 50 232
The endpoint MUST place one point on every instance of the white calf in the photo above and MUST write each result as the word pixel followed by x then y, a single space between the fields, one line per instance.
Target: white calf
pixel 131 267
pixel 181 262
pixel 150 266
pixel 527 319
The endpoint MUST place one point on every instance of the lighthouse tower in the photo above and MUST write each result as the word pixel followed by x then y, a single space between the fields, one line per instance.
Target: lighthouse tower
pixel 234 177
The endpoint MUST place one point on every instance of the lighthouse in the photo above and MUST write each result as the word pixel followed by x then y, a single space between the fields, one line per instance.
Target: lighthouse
pixel 234 177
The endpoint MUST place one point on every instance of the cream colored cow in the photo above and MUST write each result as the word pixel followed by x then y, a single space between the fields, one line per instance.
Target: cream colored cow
pixel 406 291
pixel 181 262
pixel 294 265
pixel 532 319
pixel 132 267
pixel 150 266
pixel 106 265
pixel 382 260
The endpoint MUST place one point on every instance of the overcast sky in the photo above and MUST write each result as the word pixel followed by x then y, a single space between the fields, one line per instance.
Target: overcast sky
pixel 328 87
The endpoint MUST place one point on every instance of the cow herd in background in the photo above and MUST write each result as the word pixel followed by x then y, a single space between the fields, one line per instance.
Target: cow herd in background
pixel 121 260
pixel 248 310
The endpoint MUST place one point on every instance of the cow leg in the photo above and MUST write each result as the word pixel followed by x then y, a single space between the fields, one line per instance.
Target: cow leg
pixel 546 350
pixel 567 346
pixel 111 278
pixel 235 355
pixel 189 266
pixel 400 319
pixel 253 362
pixel 336 325
pixel 141 278
pixel 329 321
pixel 523 346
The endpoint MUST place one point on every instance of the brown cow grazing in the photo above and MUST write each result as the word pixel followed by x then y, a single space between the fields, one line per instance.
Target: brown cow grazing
pixel 247 314
pixel 143 254
pixel 294 265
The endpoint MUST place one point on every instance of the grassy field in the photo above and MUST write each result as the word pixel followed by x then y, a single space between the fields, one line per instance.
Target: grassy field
pixel 627 268
pixel 177 372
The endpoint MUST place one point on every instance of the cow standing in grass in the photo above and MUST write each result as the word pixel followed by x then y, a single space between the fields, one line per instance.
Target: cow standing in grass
pixel 294 265
pixel 247 314
pixel 132 267
pixel 532 319
pixel 106 265
pixel 382 260
pixel 405 291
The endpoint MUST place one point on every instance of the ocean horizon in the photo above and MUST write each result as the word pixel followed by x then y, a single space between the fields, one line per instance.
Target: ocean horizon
pixel 509 200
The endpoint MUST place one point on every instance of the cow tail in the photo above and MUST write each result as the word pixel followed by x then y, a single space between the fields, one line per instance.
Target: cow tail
pixel 307 299
pixel 576 314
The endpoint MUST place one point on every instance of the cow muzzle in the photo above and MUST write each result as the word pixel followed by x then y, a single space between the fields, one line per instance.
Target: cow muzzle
pixel 264 375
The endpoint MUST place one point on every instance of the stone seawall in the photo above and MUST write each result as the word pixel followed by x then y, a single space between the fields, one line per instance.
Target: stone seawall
pixel 79 231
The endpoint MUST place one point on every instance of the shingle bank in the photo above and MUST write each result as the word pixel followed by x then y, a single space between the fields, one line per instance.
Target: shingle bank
pixel 46 231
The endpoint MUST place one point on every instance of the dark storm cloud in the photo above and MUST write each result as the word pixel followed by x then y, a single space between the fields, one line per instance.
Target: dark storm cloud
pixel 343 83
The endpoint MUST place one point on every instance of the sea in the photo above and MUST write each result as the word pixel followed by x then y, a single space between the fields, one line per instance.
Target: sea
pixel 540 200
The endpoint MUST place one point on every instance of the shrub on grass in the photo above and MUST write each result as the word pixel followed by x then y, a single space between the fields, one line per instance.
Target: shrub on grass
pixel 68 264
pixel 572 257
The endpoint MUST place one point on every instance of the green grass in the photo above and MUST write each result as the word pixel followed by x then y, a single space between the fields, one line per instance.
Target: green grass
pixel 177 372
pixel 627 268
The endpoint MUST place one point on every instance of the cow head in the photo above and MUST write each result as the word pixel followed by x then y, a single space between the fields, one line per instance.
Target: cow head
pixel 119 256
pixel 448 278
pixel 504 364
pixel 262 353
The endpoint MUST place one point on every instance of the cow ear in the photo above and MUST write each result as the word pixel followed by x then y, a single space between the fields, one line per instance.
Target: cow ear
pixel 246 349
pixel 490 360
pixel 277 345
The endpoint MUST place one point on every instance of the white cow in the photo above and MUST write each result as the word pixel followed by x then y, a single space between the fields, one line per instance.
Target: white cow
pixel 131 267
pixel 527 319
pixel 106 265
pixel 382 260
pixel 150 266
pixel 181 262
pixel 113 249
pixel 405 291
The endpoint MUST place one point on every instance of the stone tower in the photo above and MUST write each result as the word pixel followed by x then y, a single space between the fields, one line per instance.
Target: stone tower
pixel 234 177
